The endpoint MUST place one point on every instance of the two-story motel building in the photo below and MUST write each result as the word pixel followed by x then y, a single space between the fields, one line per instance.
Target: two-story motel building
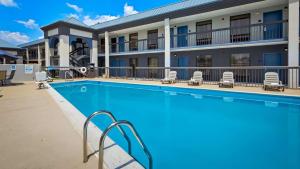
pixel 192 33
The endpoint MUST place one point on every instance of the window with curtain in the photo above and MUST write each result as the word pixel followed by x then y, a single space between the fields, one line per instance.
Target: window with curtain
pixel 204 61
pixel 240 28
pixel 241 59
pixel 203 32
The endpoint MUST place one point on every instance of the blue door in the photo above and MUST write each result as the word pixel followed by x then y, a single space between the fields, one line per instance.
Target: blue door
pixel 273 29
pixel 272 59
pixel 122 64
pixel 183 61
pixel 182 36
pixel 121 42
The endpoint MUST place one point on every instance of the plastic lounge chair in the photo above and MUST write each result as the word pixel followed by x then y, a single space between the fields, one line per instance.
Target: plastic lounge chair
pixel 11 76
pixel 2 77
pixel 272 82
pixel 171 79
pixel 227 80
pixel 41 79
pixel 196 79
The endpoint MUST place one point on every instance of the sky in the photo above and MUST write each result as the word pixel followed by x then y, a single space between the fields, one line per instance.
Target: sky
pixel 21 19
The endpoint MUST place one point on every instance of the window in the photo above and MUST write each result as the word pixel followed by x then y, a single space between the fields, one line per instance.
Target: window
pixel 152 62
pixel 204 33
pixel 102 45
pixel 113 45
pixel 240 28
pixel 133 41
pixel 153 39
pixel 242 59
pixel 204 61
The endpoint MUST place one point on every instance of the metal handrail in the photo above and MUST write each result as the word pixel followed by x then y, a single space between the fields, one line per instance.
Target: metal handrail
pixel 68 73
pixel 111 116
pixel 136 135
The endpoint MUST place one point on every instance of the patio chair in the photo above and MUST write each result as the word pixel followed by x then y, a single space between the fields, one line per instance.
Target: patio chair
pixel 2 77
pixel 171 79
pixel 10 77
pixel 227 80
pixel 197 78
pixel 272 82
pixel 41 79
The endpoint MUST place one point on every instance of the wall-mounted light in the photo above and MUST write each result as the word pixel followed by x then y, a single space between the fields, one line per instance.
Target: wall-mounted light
pixel 286 49
pixel 175 55
pixel 223 19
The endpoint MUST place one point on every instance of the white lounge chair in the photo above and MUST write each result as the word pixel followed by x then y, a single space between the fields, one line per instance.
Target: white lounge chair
pixel 227 80
pixel 171 79
pixel 40 79
pixel 197 78
pixel 272 81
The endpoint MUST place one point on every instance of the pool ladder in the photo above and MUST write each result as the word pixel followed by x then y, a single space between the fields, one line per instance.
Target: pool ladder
pixel 117 124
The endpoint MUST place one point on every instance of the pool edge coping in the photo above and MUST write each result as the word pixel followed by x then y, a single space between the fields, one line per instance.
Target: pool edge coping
pixel 114 155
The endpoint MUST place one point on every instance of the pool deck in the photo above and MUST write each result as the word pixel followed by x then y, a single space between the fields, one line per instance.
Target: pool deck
pixel 35 134
pixel 287 92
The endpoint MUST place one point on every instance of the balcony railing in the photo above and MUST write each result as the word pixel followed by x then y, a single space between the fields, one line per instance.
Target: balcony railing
pixel 232 35
pixel 137 46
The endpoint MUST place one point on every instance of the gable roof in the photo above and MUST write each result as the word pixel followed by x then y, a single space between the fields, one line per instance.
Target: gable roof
pixel 74 21
pixel 35 42
pixel 5 44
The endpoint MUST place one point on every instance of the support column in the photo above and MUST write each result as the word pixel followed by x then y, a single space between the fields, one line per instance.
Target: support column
pixel 95 53
pixel 4 60
pixel 63 52
pixel 293 47
pixel 106 54
pixel 39 56
pixel 167 46
pixel 47 53
pixel 27 56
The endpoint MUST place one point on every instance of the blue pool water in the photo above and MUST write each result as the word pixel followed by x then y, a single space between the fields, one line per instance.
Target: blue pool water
pixel 188 128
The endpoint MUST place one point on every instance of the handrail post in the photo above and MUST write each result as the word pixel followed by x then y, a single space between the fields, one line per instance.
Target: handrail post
pixel 136 135
pixel 111 116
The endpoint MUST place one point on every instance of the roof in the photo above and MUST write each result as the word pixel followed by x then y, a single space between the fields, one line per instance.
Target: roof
pixel 6 54
pixel 74 21
pixel 154 12
pixel 35 42
pixel 5 44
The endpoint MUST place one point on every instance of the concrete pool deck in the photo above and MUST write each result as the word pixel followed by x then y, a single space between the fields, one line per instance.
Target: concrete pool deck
pixel 287 92
pixel 35 134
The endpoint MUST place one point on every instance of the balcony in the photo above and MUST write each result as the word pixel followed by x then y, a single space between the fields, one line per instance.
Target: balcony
pixel 250 34
pixel 143 45
pixel 255 33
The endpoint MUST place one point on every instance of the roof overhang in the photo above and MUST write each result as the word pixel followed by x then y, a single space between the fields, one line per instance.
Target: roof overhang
pixel 207 7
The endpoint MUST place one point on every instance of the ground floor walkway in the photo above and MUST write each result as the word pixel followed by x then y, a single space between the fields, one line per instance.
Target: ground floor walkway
pixel 34 132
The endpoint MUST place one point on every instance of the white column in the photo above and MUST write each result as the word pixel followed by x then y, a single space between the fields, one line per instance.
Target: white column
pixel 39 55
pixel 27 55
pixel 167 46
pixel 106 54
pixel 47 53
pixel 95 53
pixel 293 47
pixel 4 60
pixel 63 51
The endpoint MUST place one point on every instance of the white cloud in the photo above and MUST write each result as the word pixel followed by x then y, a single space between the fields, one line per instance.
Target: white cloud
pixel 75 7
pixel 72 15
pixel 29 24
pixel 14 37
pixel 129 10
pixel 8 3
pixel 98 19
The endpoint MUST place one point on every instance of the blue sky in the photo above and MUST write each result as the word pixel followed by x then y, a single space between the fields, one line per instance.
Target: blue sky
pixel 21 19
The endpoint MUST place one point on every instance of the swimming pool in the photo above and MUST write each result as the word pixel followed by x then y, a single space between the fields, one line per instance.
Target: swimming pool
pixel 190 128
